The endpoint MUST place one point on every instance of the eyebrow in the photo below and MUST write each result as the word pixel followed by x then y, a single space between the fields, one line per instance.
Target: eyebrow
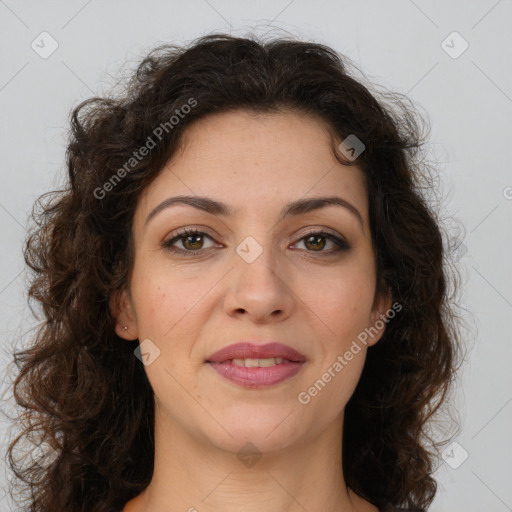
pixel 218 208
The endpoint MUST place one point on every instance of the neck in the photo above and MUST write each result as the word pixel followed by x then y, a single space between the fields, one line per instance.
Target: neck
pixel 194 476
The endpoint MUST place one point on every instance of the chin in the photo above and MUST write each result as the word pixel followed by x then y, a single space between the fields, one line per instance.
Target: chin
pixel 250 441
pixel 268 429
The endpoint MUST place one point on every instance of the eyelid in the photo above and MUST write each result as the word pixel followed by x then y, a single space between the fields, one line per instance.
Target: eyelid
pixel 322 229
pixel 184 230
pixel 187 231
pixel 313 229
pixel 339 240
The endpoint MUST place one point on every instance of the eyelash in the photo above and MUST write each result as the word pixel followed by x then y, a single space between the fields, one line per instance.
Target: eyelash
pixel 339 242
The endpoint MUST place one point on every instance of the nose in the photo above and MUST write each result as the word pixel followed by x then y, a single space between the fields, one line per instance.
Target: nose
pixel 259 290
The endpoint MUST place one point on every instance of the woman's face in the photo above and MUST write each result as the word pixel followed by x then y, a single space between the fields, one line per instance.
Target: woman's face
pixel 258 276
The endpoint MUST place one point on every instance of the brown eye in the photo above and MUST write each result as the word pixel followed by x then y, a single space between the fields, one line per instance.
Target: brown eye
pixel 316 242
pixel 192 241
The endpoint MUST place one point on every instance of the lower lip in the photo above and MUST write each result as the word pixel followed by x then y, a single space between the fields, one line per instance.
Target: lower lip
pixel 257 377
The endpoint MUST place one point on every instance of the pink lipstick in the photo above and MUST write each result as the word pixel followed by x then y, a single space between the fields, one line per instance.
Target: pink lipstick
pixel 257 366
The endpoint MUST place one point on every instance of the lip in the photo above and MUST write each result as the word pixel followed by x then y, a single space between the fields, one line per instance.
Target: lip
pixel 248 350
pixel 256 377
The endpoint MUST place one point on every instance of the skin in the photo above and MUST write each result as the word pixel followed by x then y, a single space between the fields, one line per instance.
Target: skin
pixel 190 306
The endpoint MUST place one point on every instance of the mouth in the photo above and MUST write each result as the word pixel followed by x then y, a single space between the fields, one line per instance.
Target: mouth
pixel 259 363
pixel 257 366
pixel 250 352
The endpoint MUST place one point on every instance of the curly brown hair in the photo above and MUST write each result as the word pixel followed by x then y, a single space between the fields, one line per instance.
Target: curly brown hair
pixel 83 392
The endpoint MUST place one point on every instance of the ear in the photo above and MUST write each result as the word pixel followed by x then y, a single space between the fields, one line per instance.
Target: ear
pixel 378 316
pixel 122 310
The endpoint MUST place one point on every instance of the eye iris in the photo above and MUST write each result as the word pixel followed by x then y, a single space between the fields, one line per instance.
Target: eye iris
pixel 315 237
pixel 193 241
pixel 187 238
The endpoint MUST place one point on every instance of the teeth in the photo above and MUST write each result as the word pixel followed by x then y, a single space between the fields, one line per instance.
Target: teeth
pixel 254 363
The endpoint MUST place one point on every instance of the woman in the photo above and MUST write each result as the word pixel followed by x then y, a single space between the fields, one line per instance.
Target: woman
pixel 244 294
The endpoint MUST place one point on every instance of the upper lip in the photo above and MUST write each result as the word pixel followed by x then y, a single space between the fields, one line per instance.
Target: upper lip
pixel 248 350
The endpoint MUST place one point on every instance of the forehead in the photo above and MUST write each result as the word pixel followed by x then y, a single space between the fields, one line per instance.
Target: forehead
pixel 259 161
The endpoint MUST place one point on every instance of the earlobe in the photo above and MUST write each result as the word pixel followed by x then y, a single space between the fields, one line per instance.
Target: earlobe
pixel 122 310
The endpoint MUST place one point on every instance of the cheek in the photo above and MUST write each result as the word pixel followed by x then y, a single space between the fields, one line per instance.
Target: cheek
pixel 341 299
pixel 167 314
pixel 163 298
pixel 172 308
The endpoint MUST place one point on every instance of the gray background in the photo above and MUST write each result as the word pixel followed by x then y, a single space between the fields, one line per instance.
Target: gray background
pixel 397 44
